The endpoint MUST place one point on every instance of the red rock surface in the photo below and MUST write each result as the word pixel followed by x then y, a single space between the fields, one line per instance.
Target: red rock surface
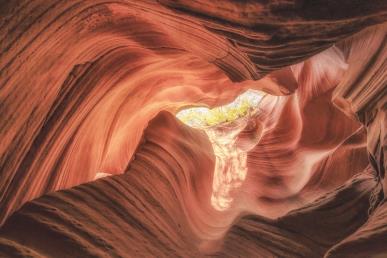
pixel 161 208
pixel 82 85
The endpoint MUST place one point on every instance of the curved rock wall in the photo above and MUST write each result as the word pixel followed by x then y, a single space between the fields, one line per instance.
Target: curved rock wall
pixel 89 75
pixel 80 80
pixel 161 208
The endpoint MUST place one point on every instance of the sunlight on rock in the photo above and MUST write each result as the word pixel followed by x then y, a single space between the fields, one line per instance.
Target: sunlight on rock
pixel 201 117
pixel 222 126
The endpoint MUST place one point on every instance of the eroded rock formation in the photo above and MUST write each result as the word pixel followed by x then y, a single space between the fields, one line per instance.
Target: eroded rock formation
pixel 89 89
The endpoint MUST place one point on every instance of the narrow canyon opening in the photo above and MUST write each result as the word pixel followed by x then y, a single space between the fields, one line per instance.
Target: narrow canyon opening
pixel 176 128
pixel 223 126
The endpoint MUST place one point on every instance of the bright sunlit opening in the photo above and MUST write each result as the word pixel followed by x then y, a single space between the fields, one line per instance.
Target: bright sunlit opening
pixel 202 117
pixel 231 160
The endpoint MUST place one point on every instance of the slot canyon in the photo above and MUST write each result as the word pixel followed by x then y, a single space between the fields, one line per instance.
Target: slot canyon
pixel 193 128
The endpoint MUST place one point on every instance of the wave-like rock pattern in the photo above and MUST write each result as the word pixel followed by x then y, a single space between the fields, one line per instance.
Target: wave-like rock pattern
pixel 368 241
pixel 71 67
pixel 140 213
pixel 307 232
pixel 160 208
pixel 81 79
pixel 275 34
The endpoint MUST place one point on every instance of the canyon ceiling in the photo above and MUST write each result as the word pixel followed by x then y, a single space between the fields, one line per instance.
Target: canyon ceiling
pixel 95 163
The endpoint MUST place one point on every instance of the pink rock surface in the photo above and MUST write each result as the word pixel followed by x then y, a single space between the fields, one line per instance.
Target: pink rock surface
pixel 89 89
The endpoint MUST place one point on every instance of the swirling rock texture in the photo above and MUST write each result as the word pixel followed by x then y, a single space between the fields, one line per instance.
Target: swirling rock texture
pixel 89 89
